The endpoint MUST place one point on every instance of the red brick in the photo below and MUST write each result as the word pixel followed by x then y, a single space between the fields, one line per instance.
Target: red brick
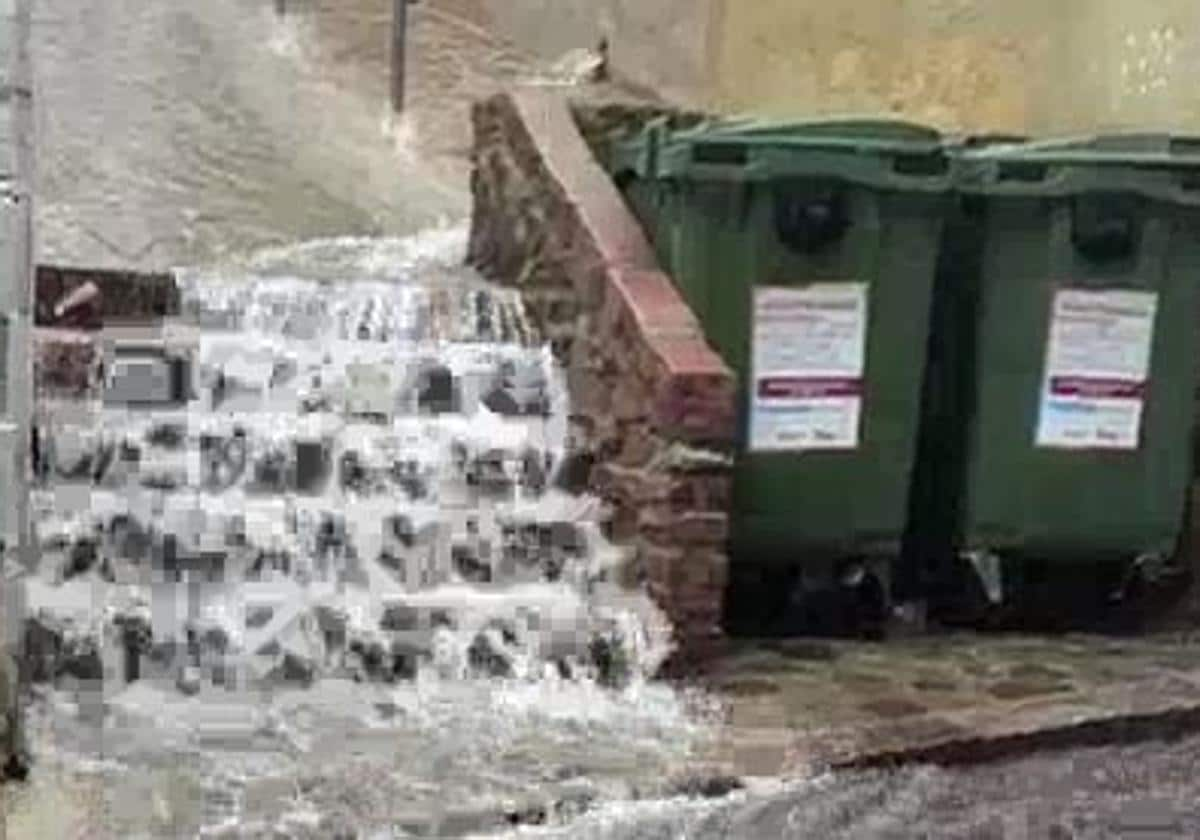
pixel 651 300
pixel 696 408
pixel 629 400
pixel 640 371
pixel 638 445
pixel 660 564
pixel 701 492
pixel 624 524
pixel 703 573
pixel 693 529
pixel 683 356
pixel 703 528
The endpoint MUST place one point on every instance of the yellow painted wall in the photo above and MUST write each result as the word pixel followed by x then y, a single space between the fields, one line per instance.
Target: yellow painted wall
pixel 662 44
pixel 1020 65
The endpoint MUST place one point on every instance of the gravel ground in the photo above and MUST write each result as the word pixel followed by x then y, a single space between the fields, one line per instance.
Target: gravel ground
pixel 1144 791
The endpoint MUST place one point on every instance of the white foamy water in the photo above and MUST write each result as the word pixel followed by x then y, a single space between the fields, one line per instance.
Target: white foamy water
pixel 209 136
pixel 463 738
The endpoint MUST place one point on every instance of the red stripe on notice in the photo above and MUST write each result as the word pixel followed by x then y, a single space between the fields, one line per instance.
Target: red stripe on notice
pixel 806 388
pixel 1079 386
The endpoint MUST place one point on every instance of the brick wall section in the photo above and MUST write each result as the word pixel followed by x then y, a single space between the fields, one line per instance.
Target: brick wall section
pixel 654 402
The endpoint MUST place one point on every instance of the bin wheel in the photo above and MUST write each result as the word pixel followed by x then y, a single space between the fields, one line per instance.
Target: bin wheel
pixel 854 604
pixel 1146 573
pixel 1104 227
pixel 970 592
pixel 867 599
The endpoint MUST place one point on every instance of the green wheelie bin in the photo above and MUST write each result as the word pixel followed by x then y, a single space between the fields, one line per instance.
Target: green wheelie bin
pixel 807 251
pixel 1059 410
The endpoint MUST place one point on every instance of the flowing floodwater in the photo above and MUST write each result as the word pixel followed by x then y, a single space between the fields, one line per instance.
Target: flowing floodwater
pixel 174 132
pixel 503 706
pixel 208 135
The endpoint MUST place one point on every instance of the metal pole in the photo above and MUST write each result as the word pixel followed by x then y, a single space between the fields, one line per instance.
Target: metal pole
pixel 16 393
pixel 399 39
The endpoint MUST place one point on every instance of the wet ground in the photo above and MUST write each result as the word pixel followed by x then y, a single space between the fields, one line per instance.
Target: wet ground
pixel 797 706
pixel 1143 791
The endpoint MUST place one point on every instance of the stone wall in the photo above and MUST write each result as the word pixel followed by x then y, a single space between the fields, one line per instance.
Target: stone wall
pixel 654 405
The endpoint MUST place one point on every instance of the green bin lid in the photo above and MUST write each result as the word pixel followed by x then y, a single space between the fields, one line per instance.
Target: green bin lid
pixel 885 152
pixel 837 132
pixel 1159 165
pixel 1124 149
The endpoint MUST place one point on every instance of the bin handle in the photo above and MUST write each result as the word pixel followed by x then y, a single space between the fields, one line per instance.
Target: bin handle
pixel 1024 172
pixel 812 218
pixel 1103 228
pixel 1189 182
pixel 921 165
pixel 1152 246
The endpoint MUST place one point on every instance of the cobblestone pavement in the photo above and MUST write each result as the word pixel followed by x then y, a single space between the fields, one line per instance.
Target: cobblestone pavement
pixel 795 706
pixel 791 705
pixel 1144 791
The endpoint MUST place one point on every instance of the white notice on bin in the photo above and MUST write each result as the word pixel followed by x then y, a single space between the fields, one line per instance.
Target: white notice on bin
pixel 1097 366
pixel 808 358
